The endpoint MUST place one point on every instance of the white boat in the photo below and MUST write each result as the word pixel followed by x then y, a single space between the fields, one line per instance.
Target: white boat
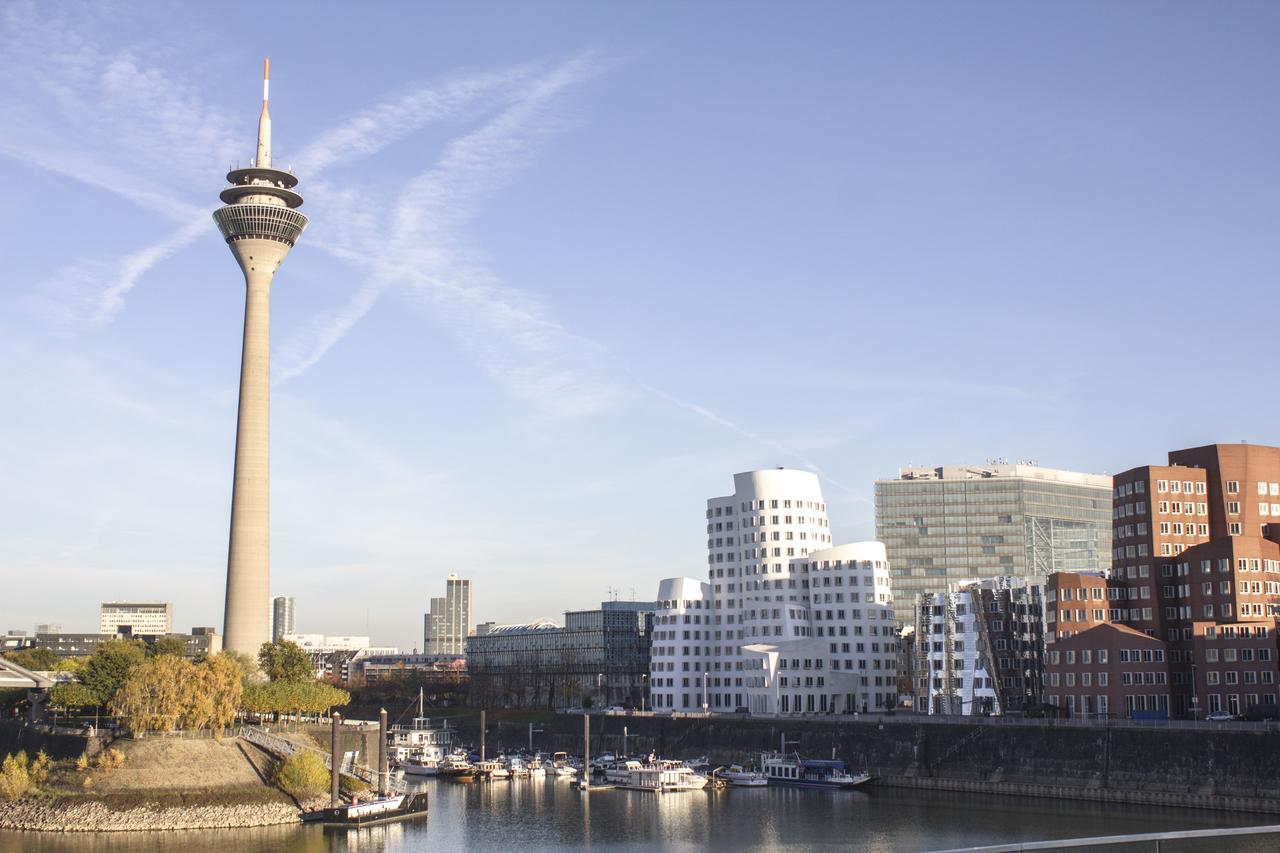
pixel 620 771
pixel 492 770
pixel 537 770
pixel 420 767
pixel 741 777
pixel 663 776
pixel 560 765
pixel 516 767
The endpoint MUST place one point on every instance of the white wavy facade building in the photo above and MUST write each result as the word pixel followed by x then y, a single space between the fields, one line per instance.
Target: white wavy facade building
pixel 785 623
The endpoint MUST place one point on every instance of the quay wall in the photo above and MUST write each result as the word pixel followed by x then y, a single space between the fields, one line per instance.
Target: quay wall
pixel 1200 768
pixel 17 735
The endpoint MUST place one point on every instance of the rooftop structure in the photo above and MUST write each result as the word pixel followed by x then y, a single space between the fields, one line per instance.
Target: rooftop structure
pixel 260 223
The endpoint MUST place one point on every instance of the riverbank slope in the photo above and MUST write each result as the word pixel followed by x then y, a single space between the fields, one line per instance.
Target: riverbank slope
pixel 164 783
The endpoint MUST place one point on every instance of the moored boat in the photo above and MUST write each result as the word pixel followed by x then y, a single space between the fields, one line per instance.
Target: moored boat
pixel 737 776
pixel 380 810
pixel 662 776
pixel 796 772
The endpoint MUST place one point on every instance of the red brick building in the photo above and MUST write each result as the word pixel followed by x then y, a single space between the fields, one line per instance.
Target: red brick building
pixel 1074 602
pixel 1108 671
pixel 1194 548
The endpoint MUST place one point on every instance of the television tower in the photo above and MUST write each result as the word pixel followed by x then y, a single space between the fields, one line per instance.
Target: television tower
pixel 261 222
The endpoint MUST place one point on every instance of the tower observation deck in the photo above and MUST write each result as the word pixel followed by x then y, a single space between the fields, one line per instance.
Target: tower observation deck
pixel 261 223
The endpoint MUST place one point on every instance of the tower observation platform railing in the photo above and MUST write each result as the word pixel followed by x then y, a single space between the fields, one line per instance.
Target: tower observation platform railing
pixel 262 221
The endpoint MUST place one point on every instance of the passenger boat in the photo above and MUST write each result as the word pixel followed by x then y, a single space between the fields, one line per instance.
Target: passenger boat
pixel 662 776
pixel 381 810
pixel 537 770
pixel 794 771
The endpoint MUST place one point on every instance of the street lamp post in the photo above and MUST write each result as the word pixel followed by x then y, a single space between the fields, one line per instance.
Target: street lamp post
pixel 704 693
pixel 644 687
pixel 600 688
pixel 1195 698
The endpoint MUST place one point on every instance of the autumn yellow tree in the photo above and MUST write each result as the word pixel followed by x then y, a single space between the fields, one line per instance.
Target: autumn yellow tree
pixel 220 690
pixel 158 695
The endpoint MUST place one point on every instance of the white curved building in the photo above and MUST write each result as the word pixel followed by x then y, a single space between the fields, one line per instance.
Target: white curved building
pixel 785 623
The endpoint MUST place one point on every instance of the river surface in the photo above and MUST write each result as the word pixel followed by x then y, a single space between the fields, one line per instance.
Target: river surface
pixel 515 817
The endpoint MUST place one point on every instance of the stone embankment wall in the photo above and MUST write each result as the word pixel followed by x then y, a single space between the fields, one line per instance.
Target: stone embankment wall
pixel 42 815
pixel 1219 768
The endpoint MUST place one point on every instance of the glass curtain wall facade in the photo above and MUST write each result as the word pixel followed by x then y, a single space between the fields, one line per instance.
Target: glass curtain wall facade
pixel 943 525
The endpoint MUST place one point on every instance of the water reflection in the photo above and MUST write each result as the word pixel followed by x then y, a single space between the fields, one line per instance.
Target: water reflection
pixel 553 816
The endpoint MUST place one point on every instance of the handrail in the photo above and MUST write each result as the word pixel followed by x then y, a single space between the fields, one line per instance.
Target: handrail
pixel 286 747
pixel 1099 840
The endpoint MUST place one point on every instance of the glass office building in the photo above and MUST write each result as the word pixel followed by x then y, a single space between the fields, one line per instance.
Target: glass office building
pixel 943 525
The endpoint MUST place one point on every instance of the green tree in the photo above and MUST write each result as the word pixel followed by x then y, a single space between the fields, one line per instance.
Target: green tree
pixel 293 697
pixel 72 694
pixel 167 646
pixel 285 661
pixel 109 666
pixel 34 659
pixel 158 695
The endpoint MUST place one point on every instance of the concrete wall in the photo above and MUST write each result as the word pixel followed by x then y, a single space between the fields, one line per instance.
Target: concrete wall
pixel 1201 768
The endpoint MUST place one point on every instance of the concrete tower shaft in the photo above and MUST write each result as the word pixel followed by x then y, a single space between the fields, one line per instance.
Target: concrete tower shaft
pixel 260 223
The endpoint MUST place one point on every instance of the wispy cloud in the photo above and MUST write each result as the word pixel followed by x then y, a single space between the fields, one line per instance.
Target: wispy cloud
pixel 157 134
pixel 707 414
pixel 422 249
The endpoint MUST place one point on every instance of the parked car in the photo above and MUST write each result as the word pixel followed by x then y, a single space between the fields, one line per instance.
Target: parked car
pixel 1219 717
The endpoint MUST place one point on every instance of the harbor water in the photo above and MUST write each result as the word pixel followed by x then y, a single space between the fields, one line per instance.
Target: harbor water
pixel 535 815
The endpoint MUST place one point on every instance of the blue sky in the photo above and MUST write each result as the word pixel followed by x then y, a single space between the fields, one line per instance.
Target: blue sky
pixel 572 265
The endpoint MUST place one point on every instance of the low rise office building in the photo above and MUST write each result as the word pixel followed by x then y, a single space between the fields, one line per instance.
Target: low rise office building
pixel 598 657
pixel 201 642
pixel 139 618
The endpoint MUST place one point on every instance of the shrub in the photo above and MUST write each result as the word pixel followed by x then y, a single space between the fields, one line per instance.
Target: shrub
pixel 109 759
pixel 15 777
pixel 351 785
pixel 82 763
pixel 87 783
pixel 303 774
pixel 39 769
